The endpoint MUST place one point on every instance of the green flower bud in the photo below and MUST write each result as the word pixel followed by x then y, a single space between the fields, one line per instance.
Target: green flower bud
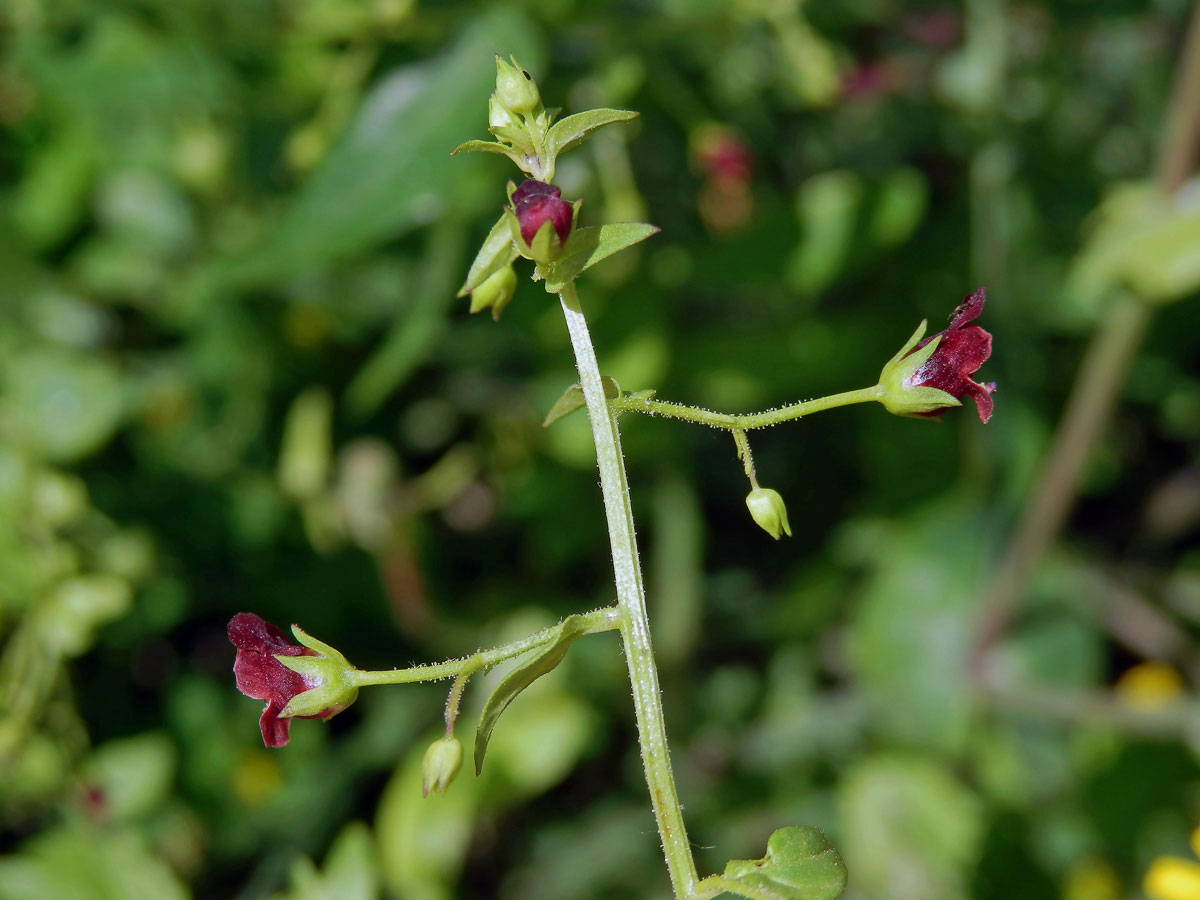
pixel 767 509
pixel 495 292
pixel 443 759
pixel 330 678
pixel 515 88
pixel 499 115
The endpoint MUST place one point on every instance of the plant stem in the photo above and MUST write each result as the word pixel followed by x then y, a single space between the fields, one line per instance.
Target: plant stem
pixel 746 421
pixel 634 623
pixel 744 454
pixel 607 618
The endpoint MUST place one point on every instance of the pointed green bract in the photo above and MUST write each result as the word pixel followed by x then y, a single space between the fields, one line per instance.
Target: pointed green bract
pixel 487 147
pixel 546 660
pixel 800 864
pixel 572 399
pixel 588 246
pixel 574 130
pixel 496 253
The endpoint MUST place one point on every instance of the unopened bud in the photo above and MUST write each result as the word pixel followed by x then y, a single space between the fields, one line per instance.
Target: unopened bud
pixel 443 759
pixel 495 292
pixel 768 511
pixel 515 88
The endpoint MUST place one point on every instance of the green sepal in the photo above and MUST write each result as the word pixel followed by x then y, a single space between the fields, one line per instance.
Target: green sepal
pixel 331 676
pixel 545 660
pixel 545 246
pixel 574 130
pixel 572 399
pixel 588 246
pixel 903 399
pixel 800 864
pixel 496 252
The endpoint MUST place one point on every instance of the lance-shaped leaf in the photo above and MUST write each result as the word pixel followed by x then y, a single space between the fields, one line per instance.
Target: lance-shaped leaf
pixel 800 864
pixel 574 130
pixel 545 660
pixel 496 253
pixel 587 246
pixel 572 399
pixel 488 147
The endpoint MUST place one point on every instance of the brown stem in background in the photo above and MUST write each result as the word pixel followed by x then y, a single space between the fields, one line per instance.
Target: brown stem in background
pixel 1103 371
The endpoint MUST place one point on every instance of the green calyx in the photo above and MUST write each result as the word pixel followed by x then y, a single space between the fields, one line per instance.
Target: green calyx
pixel 333 686
pixel 897 394
pixel 442 761
pixel 495 292
pixel 768 511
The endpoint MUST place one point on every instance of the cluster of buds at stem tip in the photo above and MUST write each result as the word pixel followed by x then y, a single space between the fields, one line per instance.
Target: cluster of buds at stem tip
pixel 931 375
pixel 312 681
pixel 767 509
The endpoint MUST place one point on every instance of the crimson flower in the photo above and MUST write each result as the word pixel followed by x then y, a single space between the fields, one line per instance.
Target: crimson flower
pixel 536 203
pixel 962 350
pixel 261 676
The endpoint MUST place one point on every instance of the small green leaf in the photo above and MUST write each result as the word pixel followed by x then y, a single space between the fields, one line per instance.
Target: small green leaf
pixel 800 864
pixel 545 660
pixel 572 399
pixel 574 130
pixel 486 147
pixel 587 246
pixel 496 253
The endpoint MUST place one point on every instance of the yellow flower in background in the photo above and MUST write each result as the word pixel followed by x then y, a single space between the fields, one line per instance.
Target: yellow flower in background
pixel 1174 878
pixel 1091 878
pixel 1149 686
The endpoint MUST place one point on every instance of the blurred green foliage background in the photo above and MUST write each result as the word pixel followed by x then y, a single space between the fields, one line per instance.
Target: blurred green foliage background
pixel 233 376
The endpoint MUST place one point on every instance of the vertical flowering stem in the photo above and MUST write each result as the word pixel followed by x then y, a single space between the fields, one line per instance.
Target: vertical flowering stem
pixel 631 600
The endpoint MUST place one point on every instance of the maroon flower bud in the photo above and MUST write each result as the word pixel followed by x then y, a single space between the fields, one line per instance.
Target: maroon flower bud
pixel 535 203
pixel 962 350
pixel 261 676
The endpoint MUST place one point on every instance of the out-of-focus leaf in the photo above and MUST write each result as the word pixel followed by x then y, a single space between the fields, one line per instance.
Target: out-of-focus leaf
pixel 574 130
pixel 800 864
pixel 588 246
pixel 78 606
pixel 909 830
pixel 413 336
pixel 305 456
pixel 133 774
pixel 909 640
pixel 497 252
pixel 66 404
pixel 1143 240
pixel 52 197
pixel 572 399
pixel 350 871
pixel 900 204
pixel 545 660
pixel 392 171
pixel 87 865
pixel 827 206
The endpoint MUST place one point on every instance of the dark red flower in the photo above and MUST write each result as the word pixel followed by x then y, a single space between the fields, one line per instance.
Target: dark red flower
pixel 962 350
pixel 261 676
pixel 535 203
